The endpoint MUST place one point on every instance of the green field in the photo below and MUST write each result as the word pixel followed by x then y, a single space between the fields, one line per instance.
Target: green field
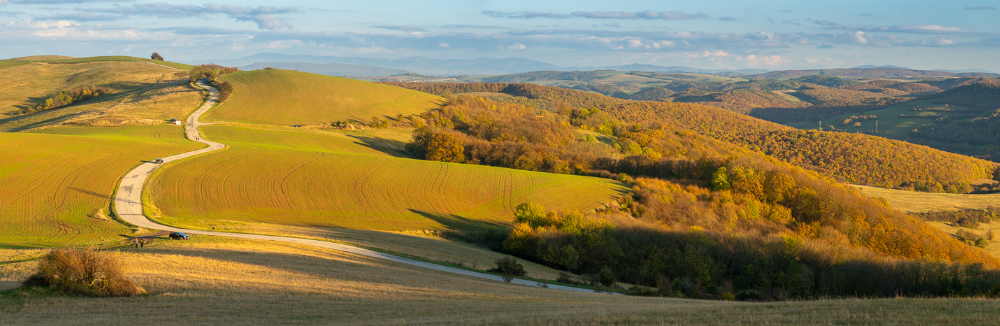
pixel 327 179
pixel 57 186
pixel 142 93
pixel 890 124
pixel 282 97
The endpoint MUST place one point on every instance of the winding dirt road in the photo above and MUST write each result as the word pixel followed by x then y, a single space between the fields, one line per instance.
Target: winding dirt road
pixel 128 206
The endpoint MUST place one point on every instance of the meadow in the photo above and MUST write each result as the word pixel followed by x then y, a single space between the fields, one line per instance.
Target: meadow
pixel 57 184
pixel 282 97
pixel 922 202
pixel 890 123
pixel 141 93
pixel 109 58
pixel 344 180
pixel 216 281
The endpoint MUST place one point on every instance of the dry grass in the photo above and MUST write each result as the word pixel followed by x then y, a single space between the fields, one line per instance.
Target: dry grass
pixel 282 97
pixel 208 281
pixel 143 94
pixel 56 185
pixel 325 179
pixel 994 245
pixel 921 202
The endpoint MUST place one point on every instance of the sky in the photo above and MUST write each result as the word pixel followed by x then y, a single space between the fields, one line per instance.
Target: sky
pixel 704 34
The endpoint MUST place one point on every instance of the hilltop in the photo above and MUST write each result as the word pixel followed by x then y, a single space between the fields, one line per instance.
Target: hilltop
pixel 131 92
pixel 282 97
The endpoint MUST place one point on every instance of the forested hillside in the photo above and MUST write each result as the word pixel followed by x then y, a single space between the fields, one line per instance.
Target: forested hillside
pixel 846 157
pixel 708 218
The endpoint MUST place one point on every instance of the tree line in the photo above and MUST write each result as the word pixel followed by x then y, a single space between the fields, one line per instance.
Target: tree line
pixel 66 98
pixel 212 73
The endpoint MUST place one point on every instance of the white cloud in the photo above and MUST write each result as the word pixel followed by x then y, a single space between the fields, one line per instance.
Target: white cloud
pixel 754 60
pixel 516 46
pixel 859 37
pixel 444 45
pixel 706 54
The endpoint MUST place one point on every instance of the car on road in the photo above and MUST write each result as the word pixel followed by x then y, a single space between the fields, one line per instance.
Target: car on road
pixel 179 236
pixel 158 161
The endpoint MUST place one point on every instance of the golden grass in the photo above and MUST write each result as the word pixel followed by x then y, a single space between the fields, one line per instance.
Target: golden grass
pixel 993 246
pixel 40 79
pixel 56 186
pixel 210 281
pixel 328 179
pixel 281 97
pixel 42 58
pixel 922 202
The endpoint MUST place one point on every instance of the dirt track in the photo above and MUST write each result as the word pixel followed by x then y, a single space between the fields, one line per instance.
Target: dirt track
pixel 128 206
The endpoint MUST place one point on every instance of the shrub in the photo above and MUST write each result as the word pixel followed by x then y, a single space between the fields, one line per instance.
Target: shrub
pixel 225 89
pixel 606 277
pixel 84 272
pixel 156 56
pixel 508 267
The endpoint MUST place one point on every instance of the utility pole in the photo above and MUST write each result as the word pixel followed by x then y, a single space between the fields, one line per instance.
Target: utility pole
pixel 821 125
pixel 876 126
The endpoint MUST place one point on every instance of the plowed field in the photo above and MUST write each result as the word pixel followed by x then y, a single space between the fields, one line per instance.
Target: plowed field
pixel 55 185
pixel 326 179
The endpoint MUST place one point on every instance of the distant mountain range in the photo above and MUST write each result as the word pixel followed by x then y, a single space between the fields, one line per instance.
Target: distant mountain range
pixel 368 67
pixel 371 67
pixel 329 69
pixel 867 72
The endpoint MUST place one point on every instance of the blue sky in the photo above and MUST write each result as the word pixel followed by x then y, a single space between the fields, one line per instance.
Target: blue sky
pixel 703 34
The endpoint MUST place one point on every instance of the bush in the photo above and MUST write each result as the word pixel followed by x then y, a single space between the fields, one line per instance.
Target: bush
pixel 508 267
pixel 84 272
pixel 156 56
pixel 225 88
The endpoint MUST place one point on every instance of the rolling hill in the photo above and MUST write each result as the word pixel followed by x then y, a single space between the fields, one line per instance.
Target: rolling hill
pixel 327 179
pixel 845 157
pixel 138 92
pixel 57 185
pixel 282 97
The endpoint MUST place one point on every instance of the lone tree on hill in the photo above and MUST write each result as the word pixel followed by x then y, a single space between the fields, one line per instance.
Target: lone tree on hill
pixel 156 56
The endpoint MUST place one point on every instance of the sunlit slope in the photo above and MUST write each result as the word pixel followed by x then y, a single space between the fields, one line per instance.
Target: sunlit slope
pixel 331 180
pixel 142 93
pixel 282 97
pixel 52 186
pixel 923 202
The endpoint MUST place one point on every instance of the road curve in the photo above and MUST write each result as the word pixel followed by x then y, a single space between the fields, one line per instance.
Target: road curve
pixel 128 206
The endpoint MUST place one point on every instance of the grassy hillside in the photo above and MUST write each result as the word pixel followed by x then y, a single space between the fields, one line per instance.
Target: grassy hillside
pixel 281 97
pixel 328 179
pixel 56 187
pixel 65 59
pixel 140 93
pixel 918 202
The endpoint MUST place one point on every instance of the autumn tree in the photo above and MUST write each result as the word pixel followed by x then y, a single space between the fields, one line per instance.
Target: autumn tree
pixel 445 147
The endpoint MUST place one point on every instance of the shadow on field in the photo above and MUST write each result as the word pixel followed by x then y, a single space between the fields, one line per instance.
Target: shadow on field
pixel 325 265
pixel 455 222
pixel 88 192
pixel 40 123
pixel 392 147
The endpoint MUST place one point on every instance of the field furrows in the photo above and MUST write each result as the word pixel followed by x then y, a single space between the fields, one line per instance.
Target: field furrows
pixel 310 178
pixel 281 97
pixel 54 185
